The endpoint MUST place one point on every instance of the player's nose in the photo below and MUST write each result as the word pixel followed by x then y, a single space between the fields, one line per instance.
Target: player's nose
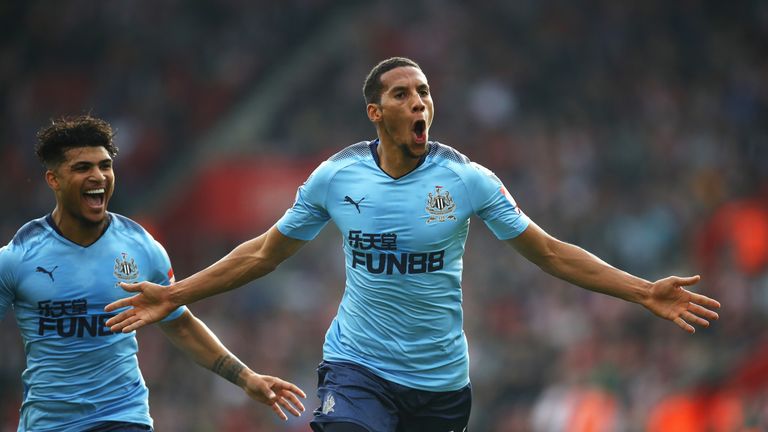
pixel 418 105
pixel 98 175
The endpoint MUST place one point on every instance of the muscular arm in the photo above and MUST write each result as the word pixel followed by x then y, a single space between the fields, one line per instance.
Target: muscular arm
pixel 194 338
pixel 666 297
pixel 577 266
pixel 248 261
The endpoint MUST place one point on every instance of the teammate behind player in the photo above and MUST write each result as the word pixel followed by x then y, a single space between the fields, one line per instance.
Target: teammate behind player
pixel 58 273
pixel 395 356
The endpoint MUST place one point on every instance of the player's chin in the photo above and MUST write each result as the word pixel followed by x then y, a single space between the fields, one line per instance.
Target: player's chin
pixel 95 216
pixel 416 149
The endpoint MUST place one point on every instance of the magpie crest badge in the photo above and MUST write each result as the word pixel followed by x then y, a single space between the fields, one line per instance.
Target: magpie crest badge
pixel 440 206
pixel 126 268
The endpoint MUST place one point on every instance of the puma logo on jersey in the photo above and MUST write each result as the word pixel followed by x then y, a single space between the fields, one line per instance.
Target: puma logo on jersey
pixel 349 200
pixel 49 273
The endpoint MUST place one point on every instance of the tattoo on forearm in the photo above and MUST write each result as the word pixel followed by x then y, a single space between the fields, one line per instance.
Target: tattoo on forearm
pixel 229 368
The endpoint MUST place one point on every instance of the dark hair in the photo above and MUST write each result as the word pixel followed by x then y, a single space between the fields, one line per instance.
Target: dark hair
pixel 373 87
pixel 65 133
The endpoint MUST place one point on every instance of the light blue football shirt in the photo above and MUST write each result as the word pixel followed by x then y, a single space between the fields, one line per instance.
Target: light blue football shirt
pixel 78 372
pixel 403 240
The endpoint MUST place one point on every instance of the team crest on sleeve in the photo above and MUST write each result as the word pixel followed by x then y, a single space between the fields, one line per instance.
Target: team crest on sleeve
pixel 440 206
pixel 509 198
pixel 126 268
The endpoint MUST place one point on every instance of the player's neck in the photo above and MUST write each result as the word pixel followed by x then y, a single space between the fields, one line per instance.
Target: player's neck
pixel 77 231
pixel 393 161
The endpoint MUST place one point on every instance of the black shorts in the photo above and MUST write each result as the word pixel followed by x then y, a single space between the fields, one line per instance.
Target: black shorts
pixel 350 393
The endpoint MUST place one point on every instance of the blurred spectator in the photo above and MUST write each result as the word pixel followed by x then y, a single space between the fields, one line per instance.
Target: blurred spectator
pixel 737 233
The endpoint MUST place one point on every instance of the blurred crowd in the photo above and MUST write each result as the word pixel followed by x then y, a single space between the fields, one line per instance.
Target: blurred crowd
pixel 638 131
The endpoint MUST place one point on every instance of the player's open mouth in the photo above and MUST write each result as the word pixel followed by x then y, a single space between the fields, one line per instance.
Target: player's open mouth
pixel 94 197
pixel 419 129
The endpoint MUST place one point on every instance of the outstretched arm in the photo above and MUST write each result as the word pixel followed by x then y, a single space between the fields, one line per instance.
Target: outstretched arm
pixel 194 338
pixel 250 260
pixel 666 298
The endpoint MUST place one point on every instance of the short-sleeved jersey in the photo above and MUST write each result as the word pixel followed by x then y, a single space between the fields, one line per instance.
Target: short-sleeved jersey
pixel 403 241
pixel 78 372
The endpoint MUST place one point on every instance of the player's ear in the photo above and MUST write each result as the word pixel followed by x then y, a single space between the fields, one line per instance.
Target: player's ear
pixel 374 112
pixel 52 179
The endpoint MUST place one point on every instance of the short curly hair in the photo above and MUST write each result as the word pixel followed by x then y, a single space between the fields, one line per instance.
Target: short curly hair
pixel 65 133
pixel 372 88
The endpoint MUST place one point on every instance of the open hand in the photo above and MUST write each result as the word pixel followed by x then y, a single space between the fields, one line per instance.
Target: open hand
pixel 151 304
pixel 276 393
pixel 668 299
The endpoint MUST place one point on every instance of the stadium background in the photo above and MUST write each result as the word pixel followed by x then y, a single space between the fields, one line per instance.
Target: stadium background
pixel 638 130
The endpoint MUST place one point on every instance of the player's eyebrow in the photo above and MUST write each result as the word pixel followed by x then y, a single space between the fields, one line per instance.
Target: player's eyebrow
pixel 86 164
pixel 395 89
pixel 81 164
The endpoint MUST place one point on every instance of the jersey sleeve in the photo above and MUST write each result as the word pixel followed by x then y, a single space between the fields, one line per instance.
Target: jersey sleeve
pixel 308 215
pixel 8 262
pixel 162 273
pixel 493 204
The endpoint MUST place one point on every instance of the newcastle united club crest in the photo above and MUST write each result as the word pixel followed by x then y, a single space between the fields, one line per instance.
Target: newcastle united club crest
pixel 126 268
pixel 440 206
